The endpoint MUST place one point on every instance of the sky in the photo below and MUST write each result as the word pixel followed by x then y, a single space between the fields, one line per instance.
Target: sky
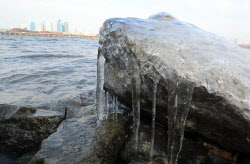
pixel 228 18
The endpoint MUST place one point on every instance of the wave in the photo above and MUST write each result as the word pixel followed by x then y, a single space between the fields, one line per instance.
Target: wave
pixel 49 56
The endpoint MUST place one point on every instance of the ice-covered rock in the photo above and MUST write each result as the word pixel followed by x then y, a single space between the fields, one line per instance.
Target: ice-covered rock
pixel 181 53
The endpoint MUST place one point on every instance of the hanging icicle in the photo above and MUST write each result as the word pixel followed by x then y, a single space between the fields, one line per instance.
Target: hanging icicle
pixel 156 81
pixel 100 95
pixel 135 82
pixel 107 102
pixel 179 100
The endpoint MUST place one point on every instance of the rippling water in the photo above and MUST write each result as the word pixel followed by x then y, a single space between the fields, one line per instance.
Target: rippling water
pixel 46 72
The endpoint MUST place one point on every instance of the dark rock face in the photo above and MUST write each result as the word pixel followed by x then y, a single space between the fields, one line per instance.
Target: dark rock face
pixel 194 151
pixel 177 51
pixel 23 129
pixel 80 140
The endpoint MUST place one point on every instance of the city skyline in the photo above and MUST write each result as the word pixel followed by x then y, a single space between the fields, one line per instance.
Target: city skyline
pixel 228 18
pixel 46 26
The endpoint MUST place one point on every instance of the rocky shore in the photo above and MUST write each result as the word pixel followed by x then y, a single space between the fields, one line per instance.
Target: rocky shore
pixel 204 80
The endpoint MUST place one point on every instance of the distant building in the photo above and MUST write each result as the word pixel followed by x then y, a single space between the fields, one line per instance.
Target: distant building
pixel 24 26
pixel 32 26
pixel 66 27
pixel 37 27
pixel 43 26
pixel 48 26
pixel 60 25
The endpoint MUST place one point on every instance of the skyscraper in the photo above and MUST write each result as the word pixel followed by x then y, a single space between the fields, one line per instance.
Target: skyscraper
pixel 43 26
pixel 48 26
pixel 66 27
pixel 32 26
pixel 24 26
pixel 60 25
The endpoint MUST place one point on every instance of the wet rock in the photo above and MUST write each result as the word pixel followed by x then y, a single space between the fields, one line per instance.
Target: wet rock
pixel 23 129
pixel 194 151
pixel 84 99
pixel 81 140
pixel 177 51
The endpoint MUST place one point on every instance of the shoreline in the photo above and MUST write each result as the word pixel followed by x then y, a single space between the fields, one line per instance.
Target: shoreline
pixel 49 34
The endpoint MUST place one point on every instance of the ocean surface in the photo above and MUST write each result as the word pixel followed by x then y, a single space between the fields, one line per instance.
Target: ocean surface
pixel 46 72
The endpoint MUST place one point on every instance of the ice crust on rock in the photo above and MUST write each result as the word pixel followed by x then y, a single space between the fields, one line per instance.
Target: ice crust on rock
pixel 217 72
pixel 193 54
pixel 162 16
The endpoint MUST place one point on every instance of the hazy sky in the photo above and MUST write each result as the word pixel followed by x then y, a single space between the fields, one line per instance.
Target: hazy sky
pixel 229 18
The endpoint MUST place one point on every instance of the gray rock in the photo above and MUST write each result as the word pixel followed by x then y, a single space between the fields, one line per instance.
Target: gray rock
pixel 175 51
pixel 23 129
pixel 194 151
pixel 80 140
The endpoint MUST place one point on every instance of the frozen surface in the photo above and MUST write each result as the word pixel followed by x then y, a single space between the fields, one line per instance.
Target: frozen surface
pixel 193 54
pixel 200 74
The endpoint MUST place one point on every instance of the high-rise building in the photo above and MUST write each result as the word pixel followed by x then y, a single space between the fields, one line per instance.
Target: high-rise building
pixel 43 26
pixel 24 26
pixel 48 26
pixel 66 27
pixel 37 27
pixel 32 26
pixel 60 25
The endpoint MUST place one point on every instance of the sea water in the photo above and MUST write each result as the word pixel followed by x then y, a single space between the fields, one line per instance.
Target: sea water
pixel 46 72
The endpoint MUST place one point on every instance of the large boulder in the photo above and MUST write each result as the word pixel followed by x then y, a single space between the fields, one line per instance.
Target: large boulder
pixel 22 129
pixel 178 52
pixel 80 139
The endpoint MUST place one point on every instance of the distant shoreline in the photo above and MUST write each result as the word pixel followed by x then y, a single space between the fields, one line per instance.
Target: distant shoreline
pixel 48 34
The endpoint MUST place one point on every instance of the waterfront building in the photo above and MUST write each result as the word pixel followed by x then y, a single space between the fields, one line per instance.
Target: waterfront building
pixel 60 25
pixel 32 26
pixel 24 26
pixel 48 26
pixel 37 27
pixel 43 26
pixel 66 27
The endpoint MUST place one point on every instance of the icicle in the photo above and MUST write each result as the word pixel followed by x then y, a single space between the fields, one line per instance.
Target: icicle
pixel 179 100
pixel 156 81
pixel 116 105
pixel 100 97
pixel 116 108
pixel 113 104
pixel 135 82
pixel 107 103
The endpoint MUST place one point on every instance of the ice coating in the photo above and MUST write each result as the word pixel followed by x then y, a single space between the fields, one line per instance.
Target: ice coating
pixel 185 47
pixel 183 53
pixel 162 16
